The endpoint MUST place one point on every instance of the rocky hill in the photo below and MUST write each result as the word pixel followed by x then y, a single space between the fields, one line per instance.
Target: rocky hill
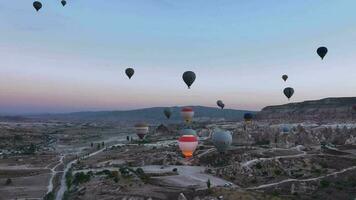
pixel 323 110
pixel 151 115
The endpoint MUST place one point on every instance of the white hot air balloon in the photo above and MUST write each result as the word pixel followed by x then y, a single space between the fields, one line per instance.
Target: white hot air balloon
pixel 187 114
pixel 188 144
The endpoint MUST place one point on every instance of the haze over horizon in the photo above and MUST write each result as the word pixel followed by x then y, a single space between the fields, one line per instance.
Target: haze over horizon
pixel 73 59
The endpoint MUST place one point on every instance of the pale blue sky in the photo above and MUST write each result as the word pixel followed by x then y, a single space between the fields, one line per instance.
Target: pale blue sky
pixel 73 58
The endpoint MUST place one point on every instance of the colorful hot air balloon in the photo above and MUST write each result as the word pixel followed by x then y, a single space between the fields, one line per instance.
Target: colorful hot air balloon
pixel 129 72
pixel 322 51
pixel 167 112
pixel 288 92
pixel 248 117
pixel 285 77
pixel 141 129
pixel 220 104
pixel 37 5
pixel 187 114
pixel 222 140
pixel 187 144
pixel 189 78
pixel 63 2
pixel 187 131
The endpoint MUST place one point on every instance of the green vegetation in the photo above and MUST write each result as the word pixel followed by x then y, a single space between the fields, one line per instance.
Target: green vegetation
pixel 258 166
pixel 49 196
pixel 324 183
pixel 208 184
pixel 8 181
pixel 277 172
pixel 80 178
pixel 69 179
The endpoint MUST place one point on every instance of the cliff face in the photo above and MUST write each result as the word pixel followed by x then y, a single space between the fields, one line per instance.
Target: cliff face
pixel 324 110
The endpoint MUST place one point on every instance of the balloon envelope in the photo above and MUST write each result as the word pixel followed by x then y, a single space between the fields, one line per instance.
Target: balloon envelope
pixel 322 51
pixel 187 131
pixel 187 144
pixel 63 2
pixel 248 117
pixel 220 104
pixel 189 78
pixel 129 72
pixel 141 129
pixel 222 140
pixel 187 114
pixel 285 77
pixel 37 5
pixel 167 112
pixel 285 128
pixel 288 92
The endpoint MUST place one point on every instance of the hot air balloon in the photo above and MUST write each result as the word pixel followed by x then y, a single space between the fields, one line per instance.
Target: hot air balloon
pixel 222 140
pixel 167 112
pixel 248 117
pixel 220 104
pixel 63 2
pixel 187 114
pixel 187 131
pixel 322 51
pixel 189 78
pixel 288 92
pixel 141 129
pixel 285 77
pixel 129 72
pixel 285 128
pixel 37 5
pixel 187 144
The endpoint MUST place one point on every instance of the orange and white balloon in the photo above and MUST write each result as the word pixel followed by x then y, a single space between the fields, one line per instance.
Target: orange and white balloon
pixel 188 144
pixel 187 114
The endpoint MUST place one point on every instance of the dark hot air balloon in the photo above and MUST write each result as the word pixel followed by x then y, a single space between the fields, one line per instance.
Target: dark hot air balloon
pixel 285 77
pixel 322 51
pixel 220 104
pixel 288 92
pixel 167 112
pixel 189 78
pixel 63 2
pixel 129 72
pixel 37 5
pixel 248 117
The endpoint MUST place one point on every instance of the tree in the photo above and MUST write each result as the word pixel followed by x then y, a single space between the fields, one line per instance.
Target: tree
pixel 103 144
pixel 98 146
pixel 31 149
pixel 91 144
pixel 208 184
pixel 49 196
pixel 8 181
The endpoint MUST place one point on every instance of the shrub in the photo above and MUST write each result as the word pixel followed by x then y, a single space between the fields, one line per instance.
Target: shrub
pixel 324 183
pixel 8 181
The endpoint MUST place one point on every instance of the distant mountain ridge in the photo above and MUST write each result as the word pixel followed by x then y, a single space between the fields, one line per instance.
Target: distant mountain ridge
pixel 146 114
pixel 323 110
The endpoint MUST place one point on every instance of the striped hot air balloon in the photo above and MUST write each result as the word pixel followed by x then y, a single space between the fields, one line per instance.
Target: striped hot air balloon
pixel 187 114
pixel 141 129
pixel 188 144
